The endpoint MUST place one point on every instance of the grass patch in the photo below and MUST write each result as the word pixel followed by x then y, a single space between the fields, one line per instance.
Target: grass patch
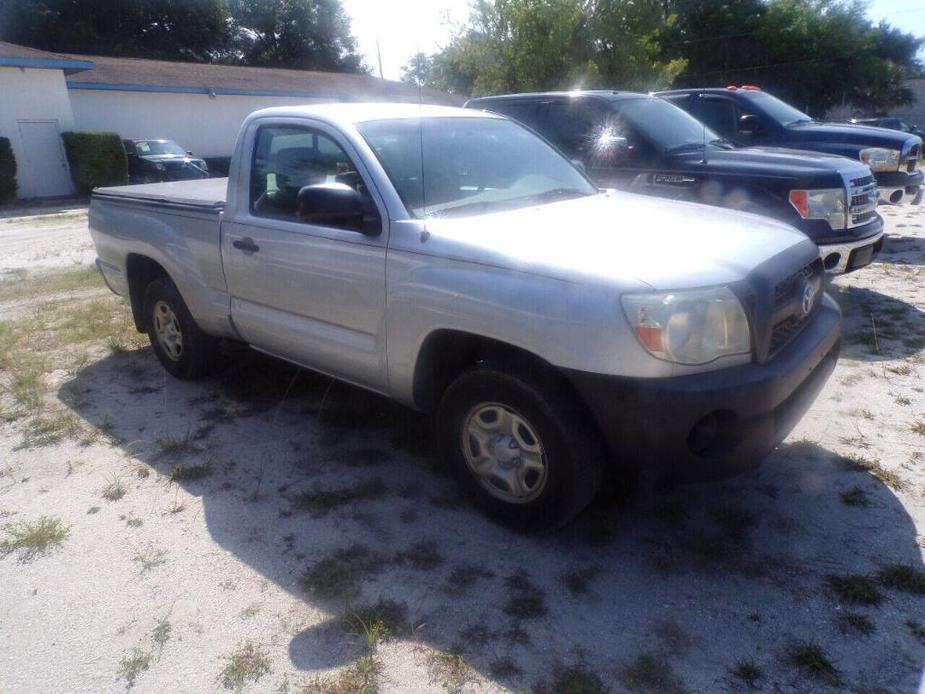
pixel 161 632
pixel 748 672
pixel 574 679
pixel 856 622
pixel 360 678
pixel 423 556
pixel 651 673
pixel 190 473
pixel 918 427
pixel 378 622
pixel 916 629
pixel 854 589
pixel 246 663
pixel 577 581
pixel 855 497
pixel 320 502
pixel 525 600
pixel 504 668
pixel 133 664
pixel 150 557
pixel 34 284
pixel 877 471
pixel 903 577
pixel 32 540
pixel 813 662
pixel 115 490
pixel 173 445
pixel 451 670
pixel 464 576
pixel 339 572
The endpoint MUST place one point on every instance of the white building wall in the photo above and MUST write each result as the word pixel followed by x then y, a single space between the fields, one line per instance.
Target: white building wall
pixel 206 126
pixel 33 97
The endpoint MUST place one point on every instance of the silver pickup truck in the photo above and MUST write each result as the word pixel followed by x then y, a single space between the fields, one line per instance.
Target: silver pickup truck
pixel 457 263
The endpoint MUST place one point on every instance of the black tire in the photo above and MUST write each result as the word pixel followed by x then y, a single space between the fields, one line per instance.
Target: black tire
pixel 571 446
pixel 197 351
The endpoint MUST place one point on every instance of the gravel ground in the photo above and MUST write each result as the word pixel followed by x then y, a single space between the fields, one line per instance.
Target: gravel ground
pixel 271 530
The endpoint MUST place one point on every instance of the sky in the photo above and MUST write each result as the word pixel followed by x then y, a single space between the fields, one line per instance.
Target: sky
pixel 404 27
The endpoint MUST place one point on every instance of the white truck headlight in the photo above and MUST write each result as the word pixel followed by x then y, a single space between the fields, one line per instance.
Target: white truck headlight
pixel 881 159
pixel 821 204
pixel 690 326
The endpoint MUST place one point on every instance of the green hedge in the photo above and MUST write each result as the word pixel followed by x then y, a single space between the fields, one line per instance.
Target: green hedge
pixel 96 159
pixel 7 171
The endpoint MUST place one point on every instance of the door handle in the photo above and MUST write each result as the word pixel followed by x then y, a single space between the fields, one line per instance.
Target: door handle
pixel 246 244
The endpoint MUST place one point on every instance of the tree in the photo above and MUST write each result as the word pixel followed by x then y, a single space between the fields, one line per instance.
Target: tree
pixel 304 34
pixel 418 69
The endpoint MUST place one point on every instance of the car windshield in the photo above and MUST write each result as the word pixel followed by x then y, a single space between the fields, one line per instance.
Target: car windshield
pixel 459 166
pixel 664 124
pixel 778 110
pixel 146 147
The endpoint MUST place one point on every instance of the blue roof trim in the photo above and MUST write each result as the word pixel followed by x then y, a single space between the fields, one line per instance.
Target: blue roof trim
pixel 47 63
pixel 218 91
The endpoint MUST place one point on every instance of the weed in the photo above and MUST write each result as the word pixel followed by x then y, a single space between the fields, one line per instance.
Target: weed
pixel 812 661
pixel 142 471
pixel 576 581
pixel 451 669
pixel 190 473
pixel 903 577
pixel 902 400
pixel 901 369
pixel 360 678
pixel 504 668
pixel 134 521
pixel 650 673
pixel 856 621
pixel 33 540
pixel 854 497
pixel 876 469
pixel 525 600
pixel 748 672
pixel 115 490
pixel 172 446
pixel 854 589
pixel 916 629
pixel 918 427
pixel 320 502
pixel 378 622
pixel 463 576
pixel 150 557
pixel 339 572
pixel 133 664
pixel 574 679
pixel 422 556
pixel 246 663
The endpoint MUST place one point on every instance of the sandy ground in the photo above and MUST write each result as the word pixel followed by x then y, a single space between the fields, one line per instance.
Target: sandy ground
pixel 317 499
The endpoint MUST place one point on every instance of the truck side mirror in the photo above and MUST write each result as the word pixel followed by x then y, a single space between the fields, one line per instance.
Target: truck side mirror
pixel 335 205
pixel 750 125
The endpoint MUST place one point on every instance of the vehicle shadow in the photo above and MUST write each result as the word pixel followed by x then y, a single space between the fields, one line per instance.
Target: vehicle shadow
pixel 331 493
pixel 877 326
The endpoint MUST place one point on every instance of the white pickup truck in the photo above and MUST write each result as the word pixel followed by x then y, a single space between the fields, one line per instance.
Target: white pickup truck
pixel 456 262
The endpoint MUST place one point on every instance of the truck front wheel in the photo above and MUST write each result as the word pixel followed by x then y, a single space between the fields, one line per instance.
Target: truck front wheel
pixel 520 444
pixel 182 348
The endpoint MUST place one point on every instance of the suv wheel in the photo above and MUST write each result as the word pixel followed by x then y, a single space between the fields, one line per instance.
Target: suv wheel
pixel 182 348
pixel 521 445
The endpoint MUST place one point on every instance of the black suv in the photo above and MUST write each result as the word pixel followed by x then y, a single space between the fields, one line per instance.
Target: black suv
pixel 644 144
pixel 151 161
pixel 748 116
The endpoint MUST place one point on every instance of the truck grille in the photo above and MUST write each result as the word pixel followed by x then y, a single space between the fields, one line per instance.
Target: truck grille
pixel 788 305
pixel 912 159
pixel 862 200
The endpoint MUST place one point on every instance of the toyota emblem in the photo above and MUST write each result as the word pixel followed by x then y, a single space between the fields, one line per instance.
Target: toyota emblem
pixel 809 293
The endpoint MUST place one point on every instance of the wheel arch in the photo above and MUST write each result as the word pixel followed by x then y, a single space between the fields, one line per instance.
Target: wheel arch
pixel 140 271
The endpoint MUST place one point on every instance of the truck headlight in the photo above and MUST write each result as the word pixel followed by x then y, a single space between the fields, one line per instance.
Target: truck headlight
pixel 158 166
pixel 881 159
pixel 690 326
pixel 821 204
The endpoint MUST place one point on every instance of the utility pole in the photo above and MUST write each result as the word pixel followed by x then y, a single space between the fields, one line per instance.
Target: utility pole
pixel 379 55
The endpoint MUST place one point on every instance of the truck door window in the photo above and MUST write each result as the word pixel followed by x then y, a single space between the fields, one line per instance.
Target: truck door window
pixel 575 126
pixel 286 159
pixel 721 115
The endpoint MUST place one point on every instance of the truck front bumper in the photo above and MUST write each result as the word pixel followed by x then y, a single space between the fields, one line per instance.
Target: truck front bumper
pixel 839 258
pixel 898 187
pixel 717 423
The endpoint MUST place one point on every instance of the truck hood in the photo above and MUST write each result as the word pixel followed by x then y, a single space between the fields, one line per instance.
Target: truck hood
pixel 773 162
pixel 622 239
pixel 849 133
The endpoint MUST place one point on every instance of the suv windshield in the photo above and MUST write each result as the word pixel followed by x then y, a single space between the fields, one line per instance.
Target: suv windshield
pixel 460 166
pixel 147 147
pixel 664 124
pixel 778 110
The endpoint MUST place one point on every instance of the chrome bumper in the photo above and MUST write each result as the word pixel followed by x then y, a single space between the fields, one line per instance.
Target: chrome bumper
pixel 897 196
pixel 835 256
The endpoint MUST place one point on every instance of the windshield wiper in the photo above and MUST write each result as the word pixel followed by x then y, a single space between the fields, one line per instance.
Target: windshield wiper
pixel 687 146
pixel 558 193
pixel 799 121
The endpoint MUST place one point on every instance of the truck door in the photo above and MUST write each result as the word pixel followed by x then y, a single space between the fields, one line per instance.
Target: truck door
pixel 307 285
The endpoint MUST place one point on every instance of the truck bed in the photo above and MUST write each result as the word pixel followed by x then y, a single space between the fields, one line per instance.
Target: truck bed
pixel 205 195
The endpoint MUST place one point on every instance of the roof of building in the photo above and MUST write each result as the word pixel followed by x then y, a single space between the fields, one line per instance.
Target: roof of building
pixel 136 74
pixel 14 55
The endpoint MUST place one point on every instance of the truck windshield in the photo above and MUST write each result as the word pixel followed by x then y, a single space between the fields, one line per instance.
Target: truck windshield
pixel 146 147
pixel 778 110
pixel 461 166
pixel 664 124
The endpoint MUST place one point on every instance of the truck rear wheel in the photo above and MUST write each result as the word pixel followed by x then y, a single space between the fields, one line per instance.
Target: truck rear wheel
pixel 521 445
pixel 182 348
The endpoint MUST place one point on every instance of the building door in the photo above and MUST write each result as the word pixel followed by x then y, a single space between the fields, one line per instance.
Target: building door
pixel 42 170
